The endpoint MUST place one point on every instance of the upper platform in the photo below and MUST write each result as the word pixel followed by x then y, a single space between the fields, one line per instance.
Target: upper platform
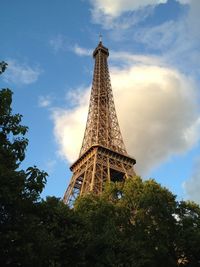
pixel 101 48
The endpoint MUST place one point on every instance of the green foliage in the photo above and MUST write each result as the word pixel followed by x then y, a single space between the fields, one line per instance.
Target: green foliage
pixel 19 189
pixel 131 224
pixel 188 241
pixel 13 143
pixel 3 66
pixel 139 223
pixel 102 231
pixel 65 230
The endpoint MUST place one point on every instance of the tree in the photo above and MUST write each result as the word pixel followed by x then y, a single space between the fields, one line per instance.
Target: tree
pixel 3 66
pixel 102 231
pixel 188 240
pixel 19 189
pixel 131 224
pixel 65 231
pixel 139 223
pixel 150 209
pixel 33 232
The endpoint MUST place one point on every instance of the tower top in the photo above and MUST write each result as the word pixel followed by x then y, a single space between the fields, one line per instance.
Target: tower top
pixel 100 48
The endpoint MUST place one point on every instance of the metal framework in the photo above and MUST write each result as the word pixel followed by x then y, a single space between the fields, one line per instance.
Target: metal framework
pixel 103 157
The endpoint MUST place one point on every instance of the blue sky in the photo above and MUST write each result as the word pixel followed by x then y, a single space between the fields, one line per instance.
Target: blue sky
pixel 154 65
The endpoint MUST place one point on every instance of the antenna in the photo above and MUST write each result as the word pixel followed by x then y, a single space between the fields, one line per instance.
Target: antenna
pixel 100 38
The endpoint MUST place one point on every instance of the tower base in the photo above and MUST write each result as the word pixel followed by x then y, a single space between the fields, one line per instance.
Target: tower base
pixel 94 168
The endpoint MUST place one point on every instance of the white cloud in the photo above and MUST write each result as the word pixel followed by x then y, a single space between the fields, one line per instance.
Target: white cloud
pixel 110 13
pixel 160 36
pixel 60 42
pixel 69 130
pixel 118 7
pixel 20 73
pixel 44 101
pixel 178 40
pixel 69 124
pixel 109 21
pixel 192 185
pixel 157 112
pixel 81 51
pixel 130 59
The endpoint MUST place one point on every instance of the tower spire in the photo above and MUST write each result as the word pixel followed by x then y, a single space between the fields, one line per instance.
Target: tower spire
pixel 100 38
pixel 103 156
pixel 102 126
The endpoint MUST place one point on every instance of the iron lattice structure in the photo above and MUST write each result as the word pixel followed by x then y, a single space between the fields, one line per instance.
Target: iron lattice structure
pixel 103 157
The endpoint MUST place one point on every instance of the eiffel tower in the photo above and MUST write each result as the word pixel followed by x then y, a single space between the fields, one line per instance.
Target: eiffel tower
pixel 103 157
